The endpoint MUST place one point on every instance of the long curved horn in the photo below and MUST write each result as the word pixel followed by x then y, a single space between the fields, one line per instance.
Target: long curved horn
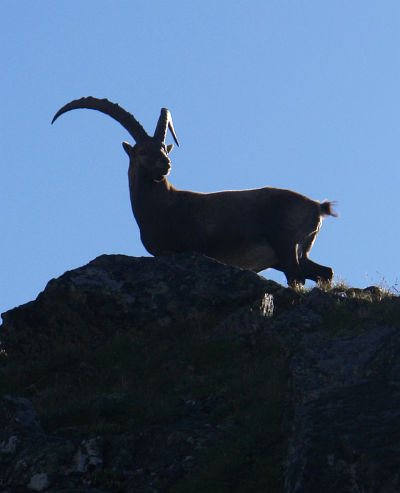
pixel 164 122
pixel 127 120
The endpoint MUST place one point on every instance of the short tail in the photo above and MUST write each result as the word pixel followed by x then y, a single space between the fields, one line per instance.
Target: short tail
pixel 326 208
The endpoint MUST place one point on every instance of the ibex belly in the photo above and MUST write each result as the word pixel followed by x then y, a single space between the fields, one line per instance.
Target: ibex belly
pixel 256 258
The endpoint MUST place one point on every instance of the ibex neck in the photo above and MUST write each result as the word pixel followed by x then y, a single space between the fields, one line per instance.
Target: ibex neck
pixel 148 198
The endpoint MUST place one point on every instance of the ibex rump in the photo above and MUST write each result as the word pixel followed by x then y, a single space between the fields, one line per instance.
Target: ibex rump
pixel 252 229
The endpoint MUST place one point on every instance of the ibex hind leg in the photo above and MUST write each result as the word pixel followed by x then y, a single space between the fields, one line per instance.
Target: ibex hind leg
pixel 312 270
pixel 316 272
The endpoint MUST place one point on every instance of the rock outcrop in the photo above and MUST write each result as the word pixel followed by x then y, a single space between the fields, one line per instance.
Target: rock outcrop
pixel 118 293
pixel 183 374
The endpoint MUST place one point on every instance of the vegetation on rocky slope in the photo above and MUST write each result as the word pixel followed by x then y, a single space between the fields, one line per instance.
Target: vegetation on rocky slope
pixel 131 382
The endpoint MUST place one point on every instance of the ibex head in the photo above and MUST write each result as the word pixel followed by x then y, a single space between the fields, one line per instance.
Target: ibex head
pixel 149 153
pixel 151 157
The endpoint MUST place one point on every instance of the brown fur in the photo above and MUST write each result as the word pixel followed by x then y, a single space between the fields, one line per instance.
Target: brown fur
pixel 252 229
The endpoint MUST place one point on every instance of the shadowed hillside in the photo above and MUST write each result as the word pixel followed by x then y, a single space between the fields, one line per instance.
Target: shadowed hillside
pixel 180 374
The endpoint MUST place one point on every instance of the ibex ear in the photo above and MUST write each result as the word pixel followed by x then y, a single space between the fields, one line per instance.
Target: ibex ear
pixel 169 148
pixel 127 148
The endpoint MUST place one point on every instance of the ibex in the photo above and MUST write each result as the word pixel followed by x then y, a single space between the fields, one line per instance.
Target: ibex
pixel 252 229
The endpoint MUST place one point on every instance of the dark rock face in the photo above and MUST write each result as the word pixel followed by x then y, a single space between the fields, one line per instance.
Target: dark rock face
pixel 139 461
pixel 114 291
pixel 31 461
pixel 87 307
pixel 346 434
pixel 328 361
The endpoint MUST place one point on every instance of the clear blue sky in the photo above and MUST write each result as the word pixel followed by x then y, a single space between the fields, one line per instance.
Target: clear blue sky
pixel 292 94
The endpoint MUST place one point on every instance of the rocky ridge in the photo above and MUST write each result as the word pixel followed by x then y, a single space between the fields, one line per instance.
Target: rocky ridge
pixel 180 373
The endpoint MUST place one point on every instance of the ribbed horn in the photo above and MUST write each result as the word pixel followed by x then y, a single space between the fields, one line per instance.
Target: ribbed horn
pixel 165 122
pixel 114 110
